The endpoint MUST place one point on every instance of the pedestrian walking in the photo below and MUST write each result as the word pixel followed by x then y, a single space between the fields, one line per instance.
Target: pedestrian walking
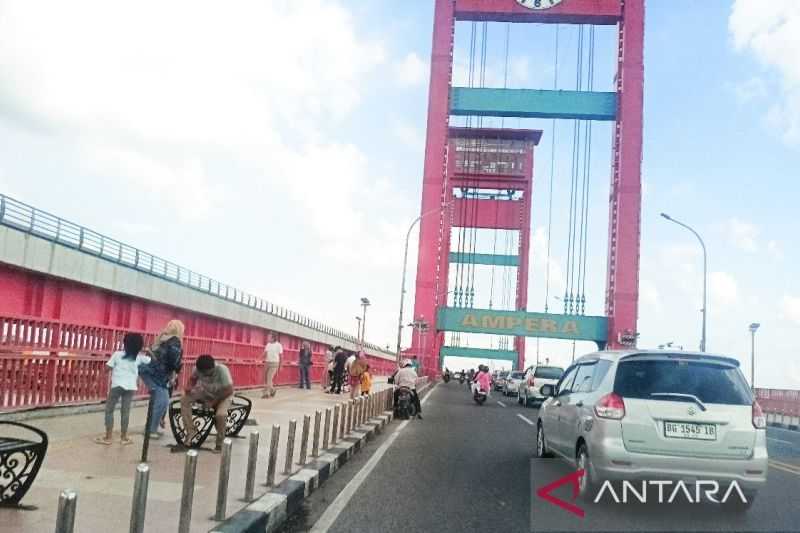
pixel 211 385
pixel 165 362
pixel 124 366
pixel 273 355
pixel 327 371
pixel 304 363
pixel 340 363
pixel 366 381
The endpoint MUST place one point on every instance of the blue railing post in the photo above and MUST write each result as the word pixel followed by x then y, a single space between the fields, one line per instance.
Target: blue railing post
pixel 2 207
pixel 80 240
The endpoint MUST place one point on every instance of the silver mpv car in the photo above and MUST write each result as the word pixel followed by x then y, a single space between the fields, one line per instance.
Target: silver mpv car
pixel 656 415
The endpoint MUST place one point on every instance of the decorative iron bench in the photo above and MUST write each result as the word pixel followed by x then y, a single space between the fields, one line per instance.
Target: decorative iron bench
pixel 203 419
pixel 20 460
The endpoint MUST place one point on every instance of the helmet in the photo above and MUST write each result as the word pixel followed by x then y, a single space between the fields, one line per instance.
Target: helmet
pixel 405 362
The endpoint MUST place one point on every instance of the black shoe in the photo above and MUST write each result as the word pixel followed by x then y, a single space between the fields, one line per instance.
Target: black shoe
pixel 419 416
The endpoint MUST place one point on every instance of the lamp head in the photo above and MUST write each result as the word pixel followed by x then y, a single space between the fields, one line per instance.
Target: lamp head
pixel 754 327
pixel 364 301
pixel 666 216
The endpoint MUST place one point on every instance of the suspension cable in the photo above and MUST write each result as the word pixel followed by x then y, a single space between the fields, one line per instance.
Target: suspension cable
pixel 587 160
pixel 569 290
pixel 552 173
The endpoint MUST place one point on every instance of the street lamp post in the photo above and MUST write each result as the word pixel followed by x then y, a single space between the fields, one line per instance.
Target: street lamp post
pixel 705 277
pixel 364 305
pixel 753 328
pixel 403 281
pixel 358 328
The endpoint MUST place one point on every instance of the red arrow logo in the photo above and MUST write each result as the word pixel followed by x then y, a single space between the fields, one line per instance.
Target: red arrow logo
pixel 574 478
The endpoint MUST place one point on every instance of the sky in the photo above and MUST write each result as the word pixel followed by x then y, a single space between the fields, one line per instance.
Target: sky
pixel 278 147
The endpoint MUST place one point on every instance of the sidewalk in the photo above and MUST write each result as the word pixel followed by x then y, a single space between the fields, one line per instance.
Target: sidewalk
pixel 103 475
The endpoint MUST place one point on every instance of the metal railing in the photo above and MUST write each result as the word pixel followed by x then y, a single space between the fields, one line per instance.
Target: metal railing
pixel 23 217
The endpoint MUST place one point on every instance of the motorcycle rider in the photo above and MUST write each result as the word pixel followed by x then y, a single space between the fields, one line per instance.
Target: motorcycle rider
pixel 482 380
pixel 405 376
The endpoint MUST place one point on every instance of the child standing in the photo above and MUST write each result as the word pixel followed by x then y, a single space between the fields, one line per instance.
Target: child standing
pixel 366 381
pixel 124 367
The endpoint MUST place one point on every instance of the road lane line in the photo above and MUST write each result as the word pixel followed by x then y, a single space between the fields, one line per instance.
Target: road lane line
pixel 787 470
pixel 338 505
pixel 793 469
pixel 501 403
pixel 526 419
pixel 783 441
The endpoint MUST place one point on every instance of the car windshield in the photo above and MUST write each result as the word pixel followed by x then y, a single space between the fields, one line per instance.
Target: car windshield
pixel 548 372
pixel 503 374
pixel 517 375
pixel 709 382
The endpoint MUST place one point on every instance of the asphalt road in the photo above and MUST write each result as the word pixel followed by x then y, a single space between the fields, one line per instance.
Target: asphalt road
pixel 470 468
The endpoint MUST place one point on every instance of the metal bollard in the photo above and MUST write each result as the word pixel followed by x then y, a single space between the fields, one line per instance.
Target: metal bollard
pixel 326 428
pixel 342 419
pixel 187 493
pixel 335 428
pixel 139 505
pixel 349 409
pixel 315 439
pixel 362 405
pixel 273 454
pixel 304 440
pixel 224 477
pixel 65 519
pixel 290 447
pixel 252 464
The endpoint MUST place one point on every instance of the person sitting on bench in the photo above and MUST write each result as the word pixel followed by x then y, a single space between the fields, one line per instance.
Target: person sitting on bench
pixel 211 384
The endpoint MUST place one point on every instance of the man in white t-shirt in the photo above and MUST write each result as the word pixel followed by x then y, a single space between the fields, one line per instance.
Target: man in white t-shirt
pixel 273 354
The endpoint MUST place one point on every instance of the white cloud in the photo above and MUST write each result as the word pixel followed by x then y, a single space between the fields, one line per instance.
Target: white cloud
pixel 771 32
pixel 775 250
pixel 743 235
pixel 724 289
pixel 753 88
pixel 411 71
pixel 409 135
pixel 791 308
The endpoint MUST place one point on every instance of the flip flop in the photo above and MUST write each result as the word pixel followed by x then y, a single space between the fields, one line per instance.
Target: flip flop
pixel 126 441
pixel 102 440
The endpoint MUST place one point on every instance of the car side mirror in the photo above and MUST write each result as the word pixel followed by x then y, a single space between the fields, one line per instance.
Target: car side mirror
pixel 547 391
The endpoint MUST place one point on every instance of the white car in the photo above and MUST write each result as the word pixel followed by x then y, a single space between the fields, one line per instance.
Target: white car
pixel 535 377
pixel 512 381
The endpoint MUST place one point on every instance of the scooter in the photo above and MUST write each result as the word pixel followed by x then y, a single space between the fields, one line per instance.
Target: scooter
pixel 404 407
pixel 461 379
pixel 446 377
pixel 479 396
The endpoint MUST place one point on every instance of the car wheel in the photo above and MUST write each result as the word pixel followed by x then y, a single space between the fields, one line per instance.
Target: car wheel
pixel 586 484
pixel 541 444
pixel 519 398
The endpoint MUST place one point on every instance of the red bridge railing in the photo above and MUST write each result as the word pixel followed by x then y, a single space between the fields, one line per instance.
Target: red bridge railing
pixel 53 363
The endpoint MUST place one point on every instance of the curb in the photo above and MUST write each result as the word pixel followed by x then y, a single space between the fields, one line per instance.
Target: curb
pixel 269 512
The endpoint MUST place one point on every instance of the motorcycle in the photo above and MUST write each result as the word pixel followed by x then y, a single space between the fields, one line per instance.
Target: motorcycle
pixel 446 377
pixel 461 379
pixel 479 396
pixel 405 407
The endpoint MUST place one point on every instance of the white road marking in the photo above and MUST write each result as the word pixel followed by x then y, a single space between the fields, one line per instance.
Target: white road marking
pixel 501 403
pixel 338 505
pixel 783 441
pixel 526 419
pixel 791 469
